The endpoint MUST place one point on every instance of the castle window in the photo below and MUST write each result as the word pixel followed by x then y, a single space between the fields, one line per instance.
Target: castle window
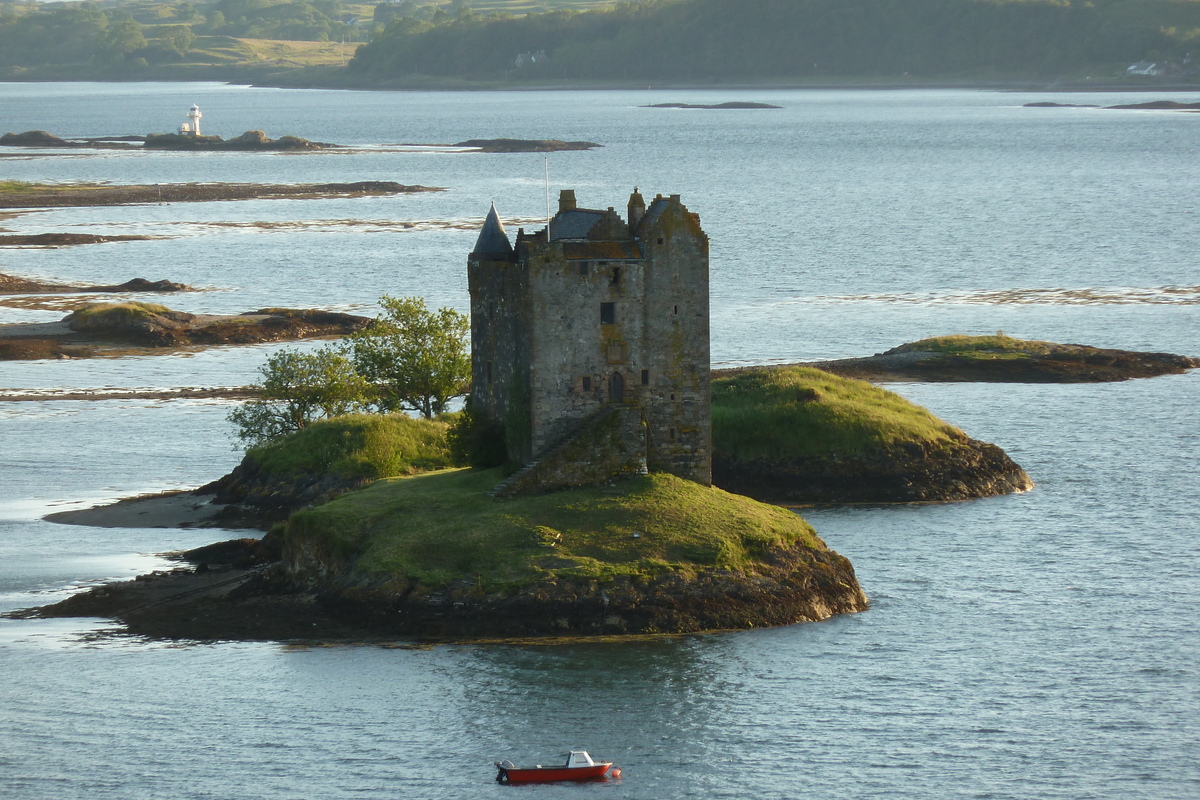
pixel 677 311
pixel 587 384
pixel 489 372
pixel 616 277
pixel 583 269
pixel 661 240
pixel 645 377
pixel 672 433
pixel 608 313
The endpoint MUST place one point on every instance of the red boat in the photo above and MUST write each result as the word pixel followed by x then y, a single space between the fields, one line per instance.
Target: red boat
pixel 579 767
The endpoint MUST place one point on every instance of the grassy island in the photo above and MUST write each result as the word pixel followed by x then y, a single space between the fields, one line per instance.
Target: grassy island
pixel 111 329
pixel 1006 359
pixel 330 457
pixel 409 547
pixel 801 411
pixel 441 526
pixel 801 435
pixel 434 554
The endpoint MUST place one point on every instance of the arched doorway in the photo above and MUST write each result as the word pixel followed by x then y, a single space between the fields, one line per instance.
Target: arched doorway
pixel 616 388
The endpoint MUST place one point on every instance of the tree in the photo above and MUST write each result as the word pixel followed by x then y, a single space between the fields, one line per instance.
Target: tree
pixel 415 359
pixel 298 389
pixel 122 37
pixel 178 37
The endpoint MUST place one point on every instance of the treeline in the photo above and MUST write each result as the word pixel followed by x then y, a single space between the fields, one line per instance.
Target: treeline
pixel 132 35
pixel 315 21
pixel 701 40
pixel 85 33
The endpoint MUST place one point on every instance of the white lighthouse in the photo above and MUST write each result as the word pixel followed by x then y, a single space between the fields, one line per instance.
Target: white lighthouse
pixel 193 124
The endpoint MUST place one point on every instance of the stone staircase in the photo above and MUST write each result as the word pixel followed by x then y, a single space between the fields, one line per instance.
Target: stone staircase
pixel 505 487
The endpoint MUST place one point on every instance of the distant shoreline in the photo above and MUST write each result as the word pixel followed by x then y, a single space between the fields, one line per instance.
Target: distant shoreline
pixel 308 79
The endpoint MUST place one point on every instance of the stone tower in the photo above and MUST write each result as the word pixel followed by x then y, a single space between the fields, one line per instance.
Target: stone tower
pixel 590 342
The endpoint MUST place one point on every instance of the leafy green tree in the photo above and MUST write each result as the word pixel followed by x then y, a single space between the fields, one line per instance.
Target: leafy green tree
pixel 177 37
pixel 122 37
pixel 186 12
pixel 415 359
pixel 298 389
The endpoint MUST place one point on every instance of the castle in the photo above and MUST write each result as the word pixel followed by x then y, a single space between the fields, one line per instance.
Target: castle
pixel 590 343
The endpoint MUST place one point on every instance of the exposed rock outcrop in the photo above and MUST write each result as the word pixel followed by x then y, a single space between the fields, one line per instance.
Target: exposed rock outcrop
pixel 33 139
pixel 524 145
pixel 250 140
pixel 732 105
pixel 258 492
pixel 238 590
pixel 64 239
pixel 114 329
pixel 11 284
pixel 1040 362
pixel 790 585
pixel 47 196
pixel 911 472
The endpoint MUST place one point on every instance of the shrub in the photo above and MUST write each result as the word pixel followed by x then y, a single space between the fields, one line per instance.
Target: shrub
pixel 358 445
pixel 298 389
pixel 477 441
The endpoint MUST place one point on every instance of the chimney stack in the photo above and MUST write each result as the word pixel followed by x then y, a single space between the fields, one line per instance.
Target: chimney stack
pixel 566 200
pixel 637 209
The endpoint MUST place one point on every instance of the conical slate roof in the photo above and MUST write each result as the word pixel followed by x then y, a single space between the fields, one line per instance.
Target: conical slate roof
pixel 492 241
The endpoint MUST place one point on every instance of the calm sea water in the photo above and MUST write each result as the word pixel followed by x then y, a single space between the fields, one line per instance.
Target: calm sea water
pixel 1040 645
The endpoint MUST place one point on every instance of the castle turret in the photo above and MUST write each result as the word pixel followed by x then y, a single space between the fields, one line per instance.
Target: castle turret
pixel 492 243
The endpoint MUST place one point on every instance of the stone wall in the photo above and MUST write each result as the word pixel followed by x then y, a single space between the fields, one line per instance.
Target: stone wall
pixel 592 314
pixel 676 308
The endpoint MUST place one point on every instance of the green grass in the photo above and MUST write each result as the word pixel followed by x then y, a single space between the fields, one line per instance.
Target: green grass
pixel 359 445
pixel 101 314
pixel 806 412
pixel 27 187
pixel 440 526
pixel 967 345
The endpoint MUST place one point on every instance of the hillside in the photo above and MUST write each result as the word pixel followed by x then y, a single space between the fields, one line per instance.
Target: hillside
pixel 505 42
pixel 721 40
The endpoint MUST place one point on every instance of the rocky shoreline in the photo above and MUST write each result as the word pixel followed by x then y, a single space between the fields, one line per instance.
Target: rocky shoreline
pixel 11 284
pixel 248 141
pixel 254 590
pixel 1154 105
pixel 910 473
pixel 259 141
pixel 524 145
pixel 1052 363
pixel 65 239
pixel 160 330
pixel 736 105
pixel 68 195
pixel 1039 362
